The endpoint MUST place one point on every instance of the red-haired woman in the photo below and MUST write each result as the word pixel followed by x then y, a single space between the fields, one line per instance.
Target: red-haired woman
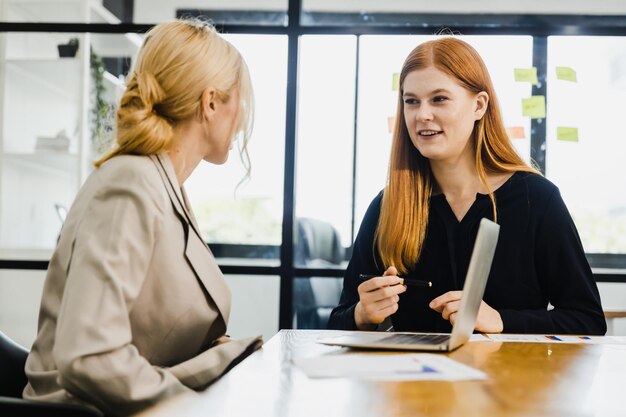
pixel 452 164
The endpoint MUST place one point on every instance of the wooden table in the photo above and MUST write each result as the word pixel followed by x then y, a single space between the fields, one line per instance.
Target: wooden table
pixel 525 379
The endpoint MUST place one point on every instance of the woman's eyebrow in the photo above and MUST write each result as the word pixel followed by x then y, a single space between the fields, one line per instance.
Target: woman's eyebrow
pixel 432 93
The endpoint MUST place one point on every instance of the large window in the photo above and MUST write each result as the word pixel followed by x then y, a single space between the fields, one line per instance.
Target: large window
pixel 325 104
pixel 325 134
pixel 330 202
pixel 232 12
pixel 249 213
pixel 325 142
pixel 586 140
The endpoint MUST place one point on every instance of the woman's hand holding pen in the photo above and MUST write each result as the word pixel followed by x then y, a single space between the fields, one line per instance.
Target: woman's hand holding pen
pixel 488 320
pixel 378 299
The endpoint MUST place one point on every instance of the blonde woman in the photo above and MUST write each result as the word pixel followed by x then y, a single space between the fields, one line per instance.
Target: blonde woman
pixel 451 165
pixel 134 307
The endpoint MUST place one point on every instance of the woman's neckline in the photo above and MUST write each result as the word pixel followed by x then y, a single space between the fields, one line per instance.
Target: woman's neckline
pixel 498 190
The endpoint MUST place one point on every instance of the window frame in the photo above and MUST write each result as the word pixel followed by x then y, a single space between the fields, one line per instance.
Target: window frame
pixel 607 267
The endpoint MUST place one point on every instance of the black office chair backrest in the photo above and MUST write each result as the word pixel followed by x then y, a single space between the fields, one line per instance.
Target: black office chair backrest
pixel 16 407
pixel 13 359
pixel 317 242
pixel 317 245
pixel 12 383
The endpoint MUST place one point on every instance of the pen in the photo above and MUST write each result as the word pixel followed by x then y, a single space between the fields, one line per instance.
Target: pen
pixel 405 281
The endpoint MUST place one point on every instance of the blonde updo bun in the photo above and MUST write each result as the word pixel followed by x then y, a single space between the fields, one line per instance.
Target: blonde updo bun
pixel 140 128
pixel 177 62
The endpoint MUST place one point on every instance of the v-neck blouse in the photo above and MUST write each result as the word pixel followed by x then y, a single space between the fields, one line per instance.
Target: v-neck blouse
pixel 539 260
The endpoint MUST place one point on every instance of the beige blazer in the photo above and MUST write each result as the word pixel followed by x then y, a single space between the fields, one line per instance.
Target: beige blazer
pixel 134 302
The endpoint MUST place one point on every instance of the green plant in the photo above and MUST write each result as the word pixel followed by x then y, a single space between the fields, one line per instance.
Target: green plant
pixel 73 42
pixel 101 110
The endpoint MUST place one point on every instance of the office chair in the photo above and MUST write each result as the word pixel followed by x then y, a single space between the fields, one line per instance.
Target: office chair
pixel 13 380
pixel 13 359
pixel 317 241
pixel 318 245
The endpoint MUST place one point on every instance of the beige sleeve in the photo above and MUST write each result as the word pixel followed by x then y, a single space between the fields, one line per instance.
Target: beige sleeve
pixel 200 371
pixel 96 359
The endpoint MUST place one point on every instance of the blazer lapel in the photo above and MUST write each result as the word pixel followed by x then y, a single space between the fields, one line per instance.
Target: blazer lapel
pixel 198 254
pixel 176 194
pixel 190 215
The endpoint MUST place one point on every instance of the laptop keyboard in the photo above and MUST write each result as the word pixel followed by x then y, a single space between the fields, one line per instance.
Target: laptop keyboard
pixel 415 339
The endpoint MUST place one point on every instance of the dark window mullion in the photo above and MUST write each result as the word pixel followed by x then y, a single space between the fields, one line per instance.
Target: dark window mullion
pixel 285 320
pixel 538 126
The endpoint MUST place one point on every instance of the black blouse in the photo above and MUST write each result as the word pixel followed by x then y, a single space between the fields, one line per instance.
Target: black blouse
pixel 539 259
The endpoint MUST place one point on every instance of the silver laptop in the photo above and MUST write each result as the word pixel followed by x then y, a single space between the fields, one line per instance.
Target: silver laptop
pixel 473 290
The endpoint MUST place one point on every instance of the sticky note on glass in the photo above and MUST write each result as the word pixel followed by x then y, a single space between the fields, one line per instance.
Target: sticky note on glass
pixel 516 132
pixel 566 74
pixel 534 107
pixel 569 134
pixel 391 123
pixel 395 81
pixel 528 75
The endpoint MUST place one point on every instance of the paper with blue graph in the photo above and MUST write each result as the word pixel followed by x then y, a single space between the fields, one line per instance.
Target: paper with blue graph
pixel 553 338
pixel 393 367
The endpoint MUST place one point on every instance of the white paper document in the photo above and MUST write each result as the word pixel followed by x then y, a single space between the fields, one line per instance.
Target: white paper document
pixel 394 367
pixel 478 337
pixel 549 338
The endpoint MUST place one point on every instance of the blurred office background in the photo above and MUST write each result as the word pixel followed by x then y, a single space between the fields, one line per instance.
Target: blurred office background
pixel 323 73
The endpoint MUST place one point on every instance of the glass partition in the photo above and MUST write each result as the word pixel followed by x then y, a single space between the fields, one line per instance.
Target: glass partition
pixel 250 213
pixel 441 14
pixel 313 300
pixel 251 314
pixel 232 12
pixel 325 139
pixel 586 144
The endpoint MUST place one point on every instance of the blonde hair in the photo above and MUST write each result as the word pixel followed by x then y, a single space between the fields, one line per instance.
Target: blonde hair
pixel 404 212
pixel 177 62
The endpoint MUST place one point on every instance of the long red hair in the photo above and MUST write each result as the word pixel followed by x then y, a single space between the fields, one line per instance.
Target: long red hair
pixel 404 211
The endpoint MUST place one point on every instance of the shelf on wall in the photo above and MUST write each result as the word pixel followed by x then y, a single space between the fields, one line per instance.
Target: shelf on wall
pixel 61 162
pixel 63 75
pixel 114 81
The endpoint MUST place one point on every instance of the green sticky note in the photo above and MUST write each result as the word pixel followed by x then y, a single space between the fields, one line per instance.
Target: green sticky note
pixel 566 74
pixel 528 75
pixel 569 134
pixel 395 81
pixel 534 107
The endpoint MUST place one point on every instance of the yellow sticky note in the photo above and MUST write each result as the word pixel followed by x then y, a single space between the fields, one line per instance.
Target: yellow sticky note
pixel 569 134
pixel 528 75
pixel 516 132
pixel 566 74
pixel 534 107
pixel 395 81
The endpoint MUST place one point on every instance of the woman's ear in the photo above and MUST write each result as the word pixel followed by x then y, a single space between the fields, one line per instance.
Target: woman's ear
pixel 209 102
pixel 482 102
